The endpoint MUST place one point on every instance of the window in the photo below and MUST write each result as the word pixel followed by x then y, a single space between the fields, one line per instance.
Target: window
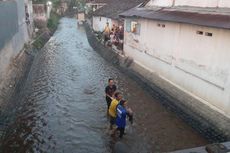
pixel 199 32
pixel 208 34
pixel 161 25
pixel 133 26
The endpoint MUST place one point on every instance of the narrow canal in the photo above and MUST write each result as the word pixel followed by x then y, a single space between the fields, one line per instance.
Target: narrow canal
pixel 61 108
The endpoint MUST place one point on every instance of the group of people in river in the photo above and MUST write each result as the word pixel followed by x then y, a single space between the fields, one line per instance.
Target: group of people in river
pixel 114 35
pixel 117 109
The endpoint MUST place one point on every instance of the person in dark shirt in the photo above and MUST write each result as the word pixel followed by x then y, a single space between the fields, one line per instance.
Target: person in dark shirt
pixel 109 91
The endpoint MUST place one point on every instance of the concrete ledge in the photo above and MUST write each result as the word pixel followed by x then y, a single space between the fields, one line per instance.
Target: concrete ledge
pixel 210 123
pixel 15 76
pixel 199 149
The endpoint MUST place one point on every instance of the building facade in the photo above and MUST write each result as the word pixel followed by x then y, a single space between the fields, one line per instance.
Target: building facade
pixel 183 46
pixel 15 30
pixel 110 13
pixel 93 5
pixel 40 12
pixel 193 3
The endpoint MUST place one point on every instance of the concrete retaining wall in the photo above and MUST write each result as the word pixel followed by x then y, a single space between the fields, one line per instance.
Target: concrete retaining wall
pixel 210 123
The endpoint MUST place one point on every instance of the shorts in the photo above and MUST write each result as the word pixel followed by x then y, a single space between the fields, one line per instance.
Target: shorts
pixel 108 100
pixel 106 37
pixel 112 120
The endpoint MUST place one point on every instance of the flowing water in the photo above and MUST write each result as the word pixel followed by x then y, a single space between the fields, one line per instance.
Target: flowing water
pixel 62 109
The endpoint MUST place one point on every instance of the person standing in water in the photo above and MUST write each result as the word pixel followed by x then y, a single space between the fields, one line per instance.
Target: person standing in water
pixel 112 109
pixel 122 113
pixel 109 91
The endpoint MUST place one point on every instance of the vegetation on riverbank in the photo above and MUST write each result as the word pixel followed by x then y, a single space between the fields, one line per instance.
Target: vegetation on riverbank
pixel 53 21
pixel 44 34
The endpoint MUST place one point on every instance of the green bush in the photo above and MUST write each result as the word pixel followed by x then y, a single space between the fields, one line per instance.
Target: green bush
pixel 52 23
pixel 43 36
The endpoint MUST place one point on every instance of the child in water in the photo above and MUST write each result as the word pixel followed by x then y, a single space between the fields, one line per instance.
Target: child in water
pixel 122 113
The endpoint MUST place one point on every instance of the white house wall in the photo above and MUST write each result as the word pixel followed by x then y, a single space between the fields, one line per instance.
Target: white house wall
pixel 224 3
pixel 99 23
pixel 197 63
pixel 195 3
pixel 161 3
pixel 203 3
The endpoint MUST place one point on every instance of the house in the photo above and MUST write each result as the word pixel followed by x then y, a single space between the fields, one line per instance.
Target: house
pixel 80 17
pixel 63 6
pixel 182 46
pixel 110 13
pixel 93 5
pixel 39 12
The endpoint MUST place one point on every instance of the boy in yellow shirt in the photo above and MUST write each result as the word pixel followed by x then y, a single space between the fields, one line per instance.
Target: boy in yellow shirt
pixel 113 108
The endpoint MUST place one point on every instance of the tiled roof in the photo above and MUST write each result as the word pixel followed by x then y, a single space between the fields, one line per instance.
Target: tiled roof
pixel 97 1
pixel 115 7
pixel 211 17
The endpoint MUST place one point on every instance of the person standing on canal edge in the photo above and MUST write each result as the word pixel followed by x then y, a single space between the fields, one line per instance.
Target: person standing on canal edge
pixel 112 109
pixel 109 91
pixel 106 33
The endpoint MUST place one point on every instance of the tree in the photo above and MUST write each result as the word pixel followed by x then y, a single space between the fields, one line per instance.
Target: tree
pixel 39 1
pixel 80 4
pixel 44 1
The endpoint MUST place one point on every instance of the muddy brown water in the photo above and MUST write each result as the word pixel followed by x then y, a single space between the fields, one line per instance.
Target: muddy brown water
pixel 61 108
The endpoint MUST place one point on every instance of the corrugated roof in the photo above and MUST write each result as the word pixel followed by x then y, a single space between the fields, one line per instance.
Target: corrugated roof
pixel 203 17
pixel 115 7
pixel 97 1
